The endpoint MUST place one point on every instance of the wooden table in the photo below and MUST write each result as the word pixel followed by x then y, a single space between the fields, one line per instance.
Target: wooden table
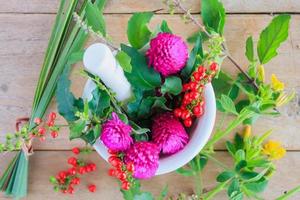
pixel 25 27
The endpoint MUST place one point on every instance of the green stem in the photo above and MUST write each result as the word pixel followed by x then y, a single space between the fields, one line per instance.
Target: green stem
pixel 216 161
pixel 211 194
pixel 198 184
pixel 289 193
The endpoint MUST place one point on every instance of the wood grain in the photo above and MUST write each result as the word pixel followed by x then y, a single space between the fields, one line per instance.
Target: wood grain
pixel 43 165
pixel 129 6
pixel 23 40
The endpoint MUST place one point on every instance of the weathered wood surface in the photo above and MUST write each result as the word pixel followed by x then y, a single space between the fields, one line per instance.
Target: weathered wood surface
pixel 23 40
pixel 129 6
pixel 25 26
pixel 45 164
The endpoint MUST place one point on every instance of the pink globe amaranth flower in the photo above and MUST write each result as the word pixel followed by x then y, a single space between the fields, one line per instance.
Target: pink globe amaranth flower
pixel 168 133
pixel 167 54
pixel 144 156
pixel 116 134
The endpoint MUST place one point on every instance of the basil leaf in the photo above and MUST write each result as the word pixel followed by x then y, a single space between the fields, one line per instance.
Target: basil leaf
pixel 137 31
pixel 271 38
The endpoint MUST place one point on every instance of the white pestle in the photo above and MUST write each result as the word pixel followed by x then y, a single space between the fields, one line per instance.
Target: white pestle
pixel 100 61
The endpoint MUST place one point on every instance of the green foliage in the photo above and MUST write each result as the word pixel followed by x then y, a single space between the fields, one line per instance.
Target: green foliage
pixel 249 49
pixel 271 38
pixel 137 31
pixel 213 15
pixel 195 58
pixel 141 77
pixel 172 85
pixel 227 104
pixel 95 19
pixel 164 27
pixel 124 60
pixel 99 102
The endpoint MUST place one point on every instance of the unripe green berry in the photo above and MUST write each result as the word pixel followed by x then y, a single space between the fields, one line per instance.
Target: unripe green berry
pixel 18 144
pixel 52 180
pixel 10 147
pixel 9 136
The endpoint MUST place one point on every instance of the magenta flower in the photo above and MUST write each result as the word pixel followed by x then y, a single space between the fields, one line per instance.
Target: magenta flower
pixel 116 134
pixel 144 156
pixel 168 53
pixel 168 133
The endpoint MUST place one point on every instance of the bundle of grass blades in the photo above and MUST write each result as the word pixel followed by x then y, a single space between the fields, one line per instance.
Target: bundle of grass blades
pixel 65 48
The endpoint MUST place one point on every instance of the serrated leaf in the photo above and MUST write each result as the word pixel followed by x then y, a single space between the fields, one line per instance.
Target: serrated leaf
pixel 225 176
pixel 137 31
pixel 228 104
pixel 164 27
pixel 249 49
pixel 99 102
pixel 124 60
pixel 213 15
pixel 195 58
pixel 172 85
pixel 95 18
pixel 142 76
pixel 271 38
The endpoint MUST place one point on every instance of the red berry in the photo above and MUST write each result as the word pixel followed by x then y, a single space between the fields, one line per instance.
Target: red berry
pixel 111 172
pixel 115 161
pixel 177 112
pixel 188 122
pixel 62 175
pixel 71 190
pixel 201 70
pixel 54 134
pixel 52 116
pixel 193 85
pixel 125 185
pixel 130 167
pixel 64 191
pixel 213 66
pixel 185 114
pixel 72 161
pixel 81 170
pixel 76 150
pixel 37 121
pixel 50 123
pixel 42 131
pixel 186 87
pixel 75 181
pixel 72 171
pixel 197 76
pixel 194 95
pixel 92 166
pixel 92 188
pixel 198 110
pixel 111 152
pixel 88 168
pixel 122 176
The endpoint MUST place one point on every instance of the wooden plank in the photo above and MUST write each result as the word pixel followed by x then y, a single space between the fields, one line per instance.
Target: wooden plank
pixel 44 164
pixel 129 6
pixel 23 39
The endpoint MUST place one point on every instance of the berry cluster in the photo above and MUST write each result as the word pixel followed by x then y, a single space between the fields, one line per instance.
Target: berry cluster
pixel 192 102
pixel 66 180
pixel 42 128
pixel 120 170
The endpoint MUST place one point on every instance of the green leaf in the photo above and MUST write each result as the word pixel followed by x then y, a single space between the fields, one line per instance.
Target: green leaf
pixel 95 18
pixel 222 84
pixel 124 60
pixel 249 49
pixel 142 76
pixel 213 15
pixel 238 142
pixel 185 172
pixel 230 148
pixel 172 85
pixel 242 164
pixel 164 27
pixel 233 188
pixel 195 58
pixel 228 104
pixel 248 175
pixel 225 176
pixel 148 104
pixel 65 99
pixel 234 92
pixel 76 129
pixel 240 155
pixel 143 196
pixel 137 31
pixel 258 186
pixel 271 38
pixel 242 104
pixel 99 102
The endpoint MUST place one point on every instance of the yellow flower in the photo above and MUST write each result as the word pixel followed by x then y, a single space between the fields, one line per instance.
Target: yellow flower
pixel 274 150
pixel 247 131
pixel 277 85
